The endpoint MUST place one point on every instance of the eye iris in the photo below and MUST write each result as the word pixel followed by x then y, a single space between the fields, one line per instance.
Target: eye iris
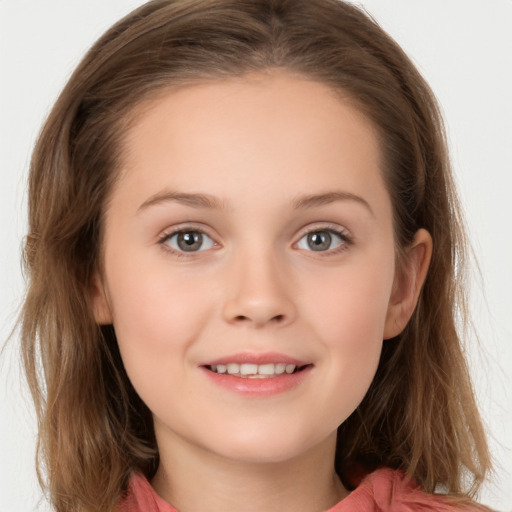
pixel 319 241
pixel 190 241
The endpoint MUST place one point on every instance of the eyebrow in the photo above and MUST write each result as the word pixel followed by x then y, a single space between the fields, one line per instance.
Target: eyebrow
pixel 193 200
pixel 315 200
pixel 208 201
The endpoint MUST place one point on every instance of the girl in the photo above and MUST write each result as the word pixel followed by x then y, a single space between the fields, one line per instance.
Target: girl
pixel 242 254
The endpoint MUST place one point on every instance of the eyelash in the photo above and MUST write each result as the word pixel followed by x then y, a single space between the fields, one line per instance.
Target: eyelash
pixel 165 237
pixel 345 237
pixel 343 234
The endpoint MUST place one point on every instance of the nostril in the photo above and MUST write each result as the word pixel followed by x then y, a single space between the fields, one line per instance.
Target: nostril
pixel 243 318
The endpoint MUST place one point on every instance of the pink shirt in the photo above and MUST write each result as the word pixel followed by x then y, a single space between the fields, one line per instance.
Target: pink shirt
pixel 384 490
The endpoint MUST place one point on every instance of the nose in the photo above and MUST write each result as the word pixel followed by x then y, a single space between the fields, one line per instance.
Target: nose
pixel 260 294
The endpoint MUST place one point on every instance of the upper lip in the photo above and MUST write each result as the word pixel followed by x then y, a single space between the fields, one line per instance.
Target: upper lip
pixel 256 358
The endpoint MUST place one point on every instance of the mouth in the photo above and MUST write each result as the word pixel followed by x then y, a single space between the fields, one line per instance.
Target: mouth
pixel 256 371
pixel 256 375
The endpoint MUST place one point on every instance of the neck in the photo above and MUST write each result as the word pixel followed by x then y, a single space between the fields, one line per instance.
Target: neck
pixel 192 479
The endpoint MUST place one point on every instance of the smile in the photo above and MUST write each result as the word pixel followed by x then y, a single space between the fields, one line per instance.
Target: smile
pixel 257 374
pixel 255 371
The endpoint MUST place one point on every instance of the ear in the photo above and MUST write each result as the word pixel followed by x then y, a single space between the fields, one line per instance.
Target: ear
pixel 408 284
pixel 100 302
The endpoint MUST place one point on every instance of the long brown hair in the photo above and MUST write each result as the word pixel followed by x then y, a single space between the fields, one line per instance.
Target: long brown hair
pixel 419 414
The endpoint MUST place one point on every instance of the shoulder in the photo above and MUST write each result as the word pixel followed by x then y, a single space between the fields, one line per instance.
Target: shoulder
pixel 141 497
pixel 389 490
pixel 384 490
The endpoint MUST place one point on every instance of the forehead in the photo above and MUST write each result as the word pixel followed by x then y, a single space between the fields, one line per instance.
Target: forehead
pixel 256 132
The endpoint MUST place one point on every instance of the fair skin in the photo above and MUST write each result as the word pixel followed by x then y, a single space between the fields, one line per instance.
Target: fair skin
pixel 251 226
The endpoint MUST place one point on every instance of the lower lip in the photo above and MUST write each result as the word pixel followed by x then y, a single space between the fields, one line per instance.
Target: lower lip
pixel 259 387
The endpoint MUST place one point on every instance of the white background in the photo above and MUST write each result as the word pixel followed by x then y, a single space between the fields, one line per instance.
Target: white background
pixel 463 48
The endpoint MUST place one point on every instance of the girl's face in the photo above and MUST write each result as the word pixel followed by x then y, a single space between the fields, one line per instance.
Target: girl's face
pixel 250 235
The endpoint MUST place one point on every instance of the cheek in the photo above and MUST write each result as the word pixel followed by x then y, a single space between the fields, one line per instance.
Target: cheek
pixel 156 313
pixel 352 305
pixel 348 317
pixel 157 318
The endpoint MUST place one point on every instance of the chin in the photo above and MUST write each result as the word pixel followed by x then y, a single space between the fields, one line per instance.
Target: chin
pixel 260 447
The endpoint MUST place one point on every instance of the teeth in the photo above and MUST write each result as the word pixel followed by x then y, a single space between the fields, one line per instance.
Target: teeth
pixel 280 368
pixel 254 371
pixel 248 369
pixel 233 368
pixel 267 369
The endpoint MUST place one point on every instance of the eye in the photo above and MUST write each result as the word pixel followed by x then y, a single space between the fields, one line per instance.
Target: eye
pixel 322 240
pixel 188 241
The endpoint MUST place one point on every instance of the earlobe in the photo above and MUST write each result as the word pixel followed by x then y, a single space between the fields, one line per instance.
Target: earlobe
pixel 408 284
pixel 101 306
